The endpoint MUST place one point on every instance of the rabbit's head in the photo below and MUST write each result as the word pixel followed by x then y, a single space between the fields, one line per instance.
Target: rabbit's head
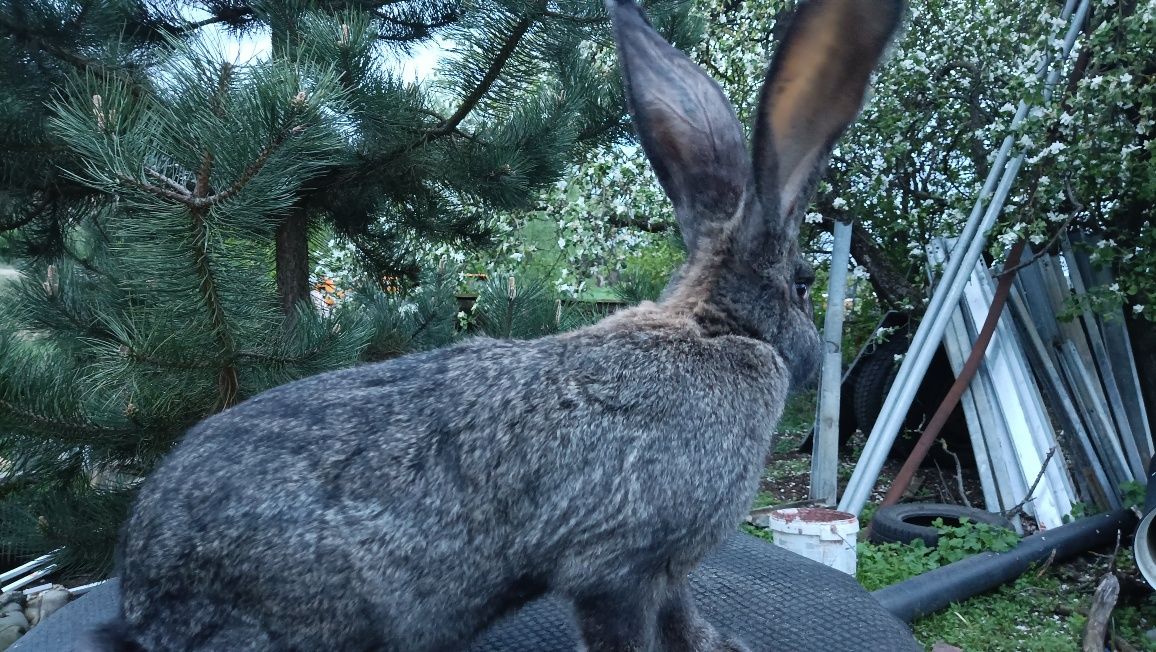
pixel 739 212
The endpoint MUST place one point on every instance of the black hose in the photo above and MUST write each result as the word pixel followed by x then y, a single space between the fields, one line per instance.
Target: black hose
pixel 935 589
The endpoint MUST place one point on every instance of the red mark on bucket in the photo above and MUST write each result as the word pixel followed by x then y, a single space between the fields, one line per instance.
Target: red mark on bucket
pixel 812 515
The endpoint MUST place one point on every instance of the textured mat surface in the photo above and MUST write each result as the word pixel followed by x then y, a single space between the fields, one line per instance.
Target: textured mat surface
pixel 767 596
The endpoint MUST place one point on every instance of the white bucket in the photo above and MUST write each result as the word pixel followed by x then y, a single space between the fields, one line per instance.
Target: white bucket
pixel 825 535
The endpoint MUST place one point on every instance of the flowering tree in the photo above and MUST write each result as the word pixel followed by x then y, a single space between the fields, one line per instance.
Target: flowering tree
pixel 912 165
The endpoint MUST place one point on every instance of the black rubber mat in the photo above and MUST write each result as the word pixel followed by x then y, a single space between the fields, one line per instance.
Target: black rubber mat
pixel 769 597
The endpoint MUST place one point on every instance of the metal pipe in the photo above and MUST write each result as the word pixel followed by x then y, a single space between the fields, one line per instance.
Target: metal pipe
pixel 47 570
pixel 930 331
pixel 24 568
pixel 919 356
pixel 947 406
pixel 825 448
pixel 936 589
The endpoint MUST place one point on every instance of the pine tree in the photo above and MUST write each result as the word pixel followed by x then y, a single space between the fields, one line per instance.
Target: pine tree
pixel 162 200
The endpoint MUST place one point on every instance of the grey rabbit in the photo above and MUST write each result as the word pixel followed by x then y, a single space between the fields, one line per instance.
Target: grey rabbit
pixel 443 490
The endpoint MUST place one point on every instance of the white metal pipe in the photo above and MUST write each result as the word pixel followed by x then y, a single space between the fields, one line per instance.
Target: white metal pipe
pixel 26 567
pixel 29 579
pixel 825 447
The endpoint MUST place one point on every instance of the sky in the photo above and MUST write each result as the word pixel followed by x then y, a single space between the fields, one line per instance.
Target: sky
pixel 417 67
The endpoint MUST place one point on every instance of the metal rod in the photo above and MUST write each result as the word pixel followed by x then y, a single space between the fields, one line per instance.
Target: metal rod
pixel 825 450
pixel 1054 385
pixel 29 579
pixel 24 568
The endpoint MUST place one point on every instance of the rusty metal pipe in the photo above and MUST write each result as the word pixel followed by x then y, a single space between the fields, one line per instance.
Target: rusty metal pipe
pixel 919 453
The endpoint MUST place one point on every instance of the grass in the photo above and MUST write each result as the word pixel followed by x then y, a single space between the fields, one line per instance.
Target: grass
pixel 798 417
pixel 1036 613
pixel 1042 611
pixel 1045 610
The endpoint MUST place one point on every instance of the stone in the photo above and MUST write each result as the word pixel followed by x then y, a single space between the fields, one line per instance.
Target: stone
pixel 13 625
pixel 43 604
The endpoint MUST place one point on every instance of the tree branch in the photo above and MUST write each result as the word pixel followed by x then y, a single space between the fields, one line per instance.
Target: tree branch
pixel 54 426
pixel 171 183
pixel 581 20
pixel 471 101
pixel 181 198
pixel 27 218
pixel 1018 508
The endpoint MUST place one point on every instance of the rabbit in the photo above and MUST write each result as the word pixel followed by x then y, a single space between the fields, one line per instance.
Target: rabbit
pixel 407 505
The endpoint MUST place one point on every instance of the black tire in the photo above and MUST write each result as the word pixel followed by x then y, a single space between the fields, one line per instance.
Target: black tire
pixel 873 380
pixel 911 521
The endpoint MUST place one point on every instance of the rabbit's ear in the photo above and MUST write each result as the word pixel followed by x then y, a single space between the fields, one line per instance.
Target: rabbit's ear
pixel 814 89
pixel 686 125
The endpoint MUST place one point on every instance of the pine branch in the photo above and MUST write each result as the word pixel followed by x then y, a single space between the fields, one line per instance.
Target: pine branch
pixel 597 131
pixel 249 172
pixel 232 16
pixel 182 198
pixel 227 382
pixel 171 183
pixel 201 187
pixel 581 20
pixel 53 426
pixel 199 198
pixel 133 354
pixel 27 218
pixel 82 64
pixel 483 87
pixel 417 30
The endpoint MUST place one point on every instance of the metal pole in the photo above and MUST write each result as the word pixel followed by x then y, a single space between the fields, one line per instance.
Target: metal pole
pixel 930 331
pixel 825 450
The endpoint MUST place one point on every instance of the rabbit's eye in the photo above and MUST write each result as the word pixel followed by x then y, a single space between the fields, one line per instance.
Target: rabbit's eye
pixel 803 290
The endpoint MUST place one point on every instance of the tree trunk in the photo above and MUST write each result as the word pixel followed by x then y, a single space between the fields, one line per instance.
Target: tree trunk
pixel 293 260
pixel 890 285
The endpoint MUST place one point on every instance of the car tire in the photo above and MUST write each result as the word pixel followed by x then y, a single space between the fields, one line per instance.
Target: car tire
pixel 908 522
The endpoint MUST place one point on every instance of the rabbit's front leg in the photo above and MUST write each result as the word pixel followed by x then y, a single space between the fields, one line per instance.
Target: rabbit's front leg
pixel 617 620
pixel 682 629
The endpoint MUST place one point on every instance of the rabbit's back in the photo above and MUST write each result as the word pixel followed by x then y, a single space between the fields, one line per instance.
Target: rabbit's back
pixel 451 485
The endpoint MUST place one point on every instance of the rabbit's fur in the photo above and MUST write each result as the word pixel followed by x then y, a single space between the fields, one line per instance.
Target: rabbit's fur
pixel 407 505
